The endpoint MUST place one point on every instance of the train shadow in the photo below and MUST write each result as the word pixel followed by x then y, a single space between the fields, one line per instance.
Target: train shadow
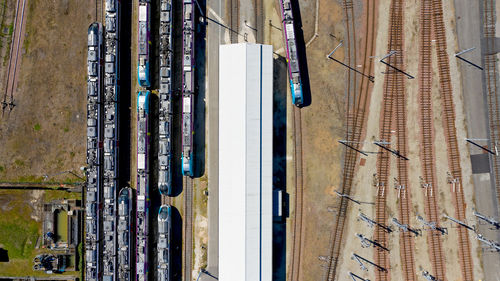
pixel 301 53
pixel 176 99
pixel 176 245
pixel 199 103
pixel 279 164
pixel 124 98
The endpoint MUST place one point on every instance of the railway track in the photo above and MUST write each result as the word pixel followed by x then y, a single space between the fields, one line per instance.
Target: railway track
pixel 427 153
pixel 99 11
pixel 393 84
pixel 298 206
pixel 490 72
pixel 14 57
pixel 355 121
pixel 406 241
pixel 465 258
pixel 188 228
pixel 234 20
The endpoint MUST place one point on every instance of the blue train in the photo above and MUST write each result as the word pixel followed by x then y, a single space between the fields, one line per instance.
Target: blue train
pixel 187 87
pixel 292 57
pixel 143 44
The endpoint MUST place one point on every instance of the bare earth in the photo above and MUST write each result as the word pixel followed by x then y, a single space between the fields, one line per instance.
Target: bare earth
pixel 45 131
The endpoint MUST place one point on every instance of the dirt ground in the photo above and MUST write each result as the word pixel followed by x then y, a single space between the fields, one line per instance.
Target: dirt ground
pixel 363 187
pixel 322 126
pixel 45 132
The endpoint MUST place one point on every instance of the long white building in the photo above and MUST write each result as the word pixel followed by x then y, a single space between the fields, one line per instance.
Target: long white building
pixel 245 162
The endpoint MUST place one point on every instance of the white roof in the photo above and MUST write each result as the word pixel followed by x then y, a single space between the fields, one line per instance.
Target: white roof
pixel 143 12
pixel 245 162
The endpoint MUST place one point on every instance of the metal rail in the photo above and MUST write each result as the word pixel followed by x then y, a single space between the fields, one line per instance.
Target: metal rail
pixel 490 72
pixel 16 45
pixel 298 206
pixel 393 85
pixel 427 153
pixel 356 102
pixel 465 258
pixel 188 227
pixel 406 241
pixel 234 20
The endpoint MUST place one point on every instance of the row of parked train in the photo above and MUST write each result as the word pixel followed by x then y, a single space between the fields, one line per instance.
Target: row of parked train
pixel 109 242
pixel 165 81
pixel 102 155
pixel 109 214
pixel 94 153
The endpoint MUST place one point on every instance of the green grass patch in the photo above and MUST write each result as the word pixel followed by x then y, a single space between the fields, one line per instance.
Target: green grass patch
pixel 50 195
pixel 19 163
pixel 66 130
pixel 62 226
pixel 18 238
pixel 37 127
pixel 79 254
pixel 2 168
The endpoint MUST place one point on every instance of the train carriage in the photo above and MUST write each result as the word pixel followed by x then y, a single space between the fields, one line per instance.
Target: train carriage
pixel 292 57
pixel 143 42
pixel 94 153
pixel 142 205
pixel 165 107
pixel 187 87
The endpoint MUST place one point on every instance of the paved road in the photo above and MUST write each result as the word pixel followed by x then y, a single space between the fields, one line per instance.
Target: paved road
pixel 215 37
pixel 469 29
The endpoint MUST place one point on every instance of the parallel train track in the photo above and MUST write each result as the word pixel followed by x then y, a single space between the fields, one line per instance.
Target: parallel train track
pixel 428 155
pixel 297 221
pixel 406 241
pixel 392 85
pixel 465 258
pixel 355 121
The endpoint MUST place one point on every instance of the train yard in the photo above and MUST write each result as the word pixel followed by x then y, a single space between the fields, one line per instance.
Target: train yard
pixel 440 184
pixel 401 201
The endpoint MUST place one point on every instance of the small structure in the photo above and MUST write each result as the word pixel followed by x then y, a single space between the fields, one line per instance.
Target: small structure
pixel 61 225
pixel 50 263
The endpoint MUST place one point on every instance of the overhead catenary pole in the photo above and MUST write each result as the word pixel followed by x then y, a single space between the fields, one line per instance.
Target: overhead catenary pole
pixel 457 55
pixel 393 67
pixel 395 152
pixel 459 222
pixel 360 260
pixel 480 146
pixel 329 56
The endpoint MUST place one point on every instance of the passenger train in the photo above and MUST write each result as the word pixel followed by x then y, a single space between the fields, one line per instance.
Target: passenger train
pixel 94 154
pixel 142 190
pixel 292 57
pixel 165 108
pixel 163 247
pixel 111 133
pixel 143 44
pixel 124 234
pixel 187 87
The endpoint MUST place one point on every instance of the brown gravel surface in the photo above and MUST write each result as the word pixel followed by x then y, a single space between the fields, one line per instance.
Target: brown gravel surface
pixel 45 132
